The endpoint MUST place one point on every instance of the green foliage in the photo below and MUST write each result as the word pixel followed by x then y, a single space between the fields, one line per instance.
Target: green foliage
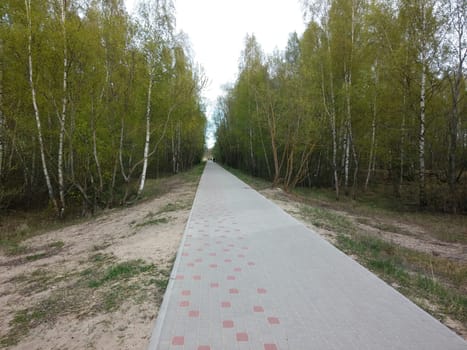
pixel 340 106
pixel 110 58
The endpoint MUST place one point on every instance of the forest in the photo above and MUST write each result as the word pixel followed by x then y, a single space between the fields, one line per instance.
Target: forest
pixel 93 102
pixel 372 96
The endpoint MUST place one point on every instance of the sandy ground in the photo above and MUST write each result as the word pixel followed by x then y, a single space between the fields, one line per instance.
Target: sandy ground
pixel 61 257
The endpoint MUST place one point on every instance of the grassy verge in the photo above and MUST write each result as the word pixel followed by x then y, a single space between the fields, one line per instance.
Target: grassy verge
pixel 379 203
pixel 437 284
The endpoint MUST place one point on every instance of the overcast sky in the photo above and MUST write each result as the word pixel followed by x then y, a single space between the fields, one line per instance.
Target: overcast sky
pixel 217 30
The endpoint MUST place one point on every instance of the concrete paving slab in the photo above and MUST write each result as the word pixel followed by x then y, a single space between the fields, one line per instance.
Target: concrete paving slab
pixel 249 276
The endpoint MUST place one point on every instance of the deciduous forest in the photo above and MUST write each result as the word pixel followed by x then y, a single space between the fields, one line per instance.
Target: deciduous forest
pixel 372 96
pixel 93 102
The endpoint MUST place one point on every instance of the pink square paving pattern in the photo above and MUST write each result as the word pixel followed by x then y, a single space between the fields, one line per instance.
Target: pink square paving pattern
pixel 178 340
pixel 193 313
pixel 270 347
pixel 242 336
pixel 228 324
pixel 257 308
pixel 273 320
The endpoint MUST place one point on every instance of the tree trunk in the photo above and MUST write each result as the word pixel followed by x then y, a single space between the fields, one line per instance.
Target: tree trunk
pixel 272 130
pixel 331 112
pixel 373 129
pixel 36 109
pixel 402 149
pixel 2 120
pixel 455 82
pixel 260 129
pixel 252 156
pixel 61 183
pixel 120 153
pixel 94 150
pixel 421 141
pixel 148 135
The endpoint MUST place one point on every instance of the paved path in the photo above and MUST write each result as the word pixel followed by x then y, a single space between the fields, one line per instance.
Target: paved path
pixel 249 276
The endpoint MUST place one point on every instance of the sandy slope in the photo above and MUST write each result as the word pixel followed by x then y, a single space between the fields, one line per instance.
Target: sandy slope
pixel 51 274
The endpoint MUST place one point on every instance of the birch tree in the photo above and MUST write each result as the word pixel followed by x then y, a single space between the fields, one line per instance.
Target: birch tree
pixel 61 181
pixel 158 24
pixel 35 106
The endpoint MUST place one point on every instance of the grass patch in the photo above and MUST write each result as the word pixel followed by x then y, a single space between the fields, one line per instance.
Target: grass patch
pixel 194 174
pixel 13 247
pixel 170 207
pixel 25 319
pixel 256 182
pixel 327 219
pixel 57 244
pixel 150 222
pixel 124 270
pixel 419 275
pixel 37 256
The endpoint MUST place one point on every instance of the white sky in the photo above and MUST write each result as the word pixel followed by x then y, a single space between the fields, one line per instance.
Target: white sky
pixel 217 31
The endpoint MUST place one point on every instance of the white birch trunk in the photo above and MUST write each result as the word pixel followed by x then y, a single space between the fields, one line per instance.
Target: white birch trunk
pixel 148 135
pixel 421 141
pixel 61 182
pixel 36 109
pixel 346 158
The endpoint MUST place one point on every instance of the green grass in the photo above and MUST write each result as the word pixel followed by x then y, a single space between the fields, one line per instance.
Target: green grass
pixel 256 182
pixel 35 257
pixel 57 244
pixel 124 270
pixel 150 222
pixel 194 174
pixel 158 187
pixel 12 247
pixel 327 219
pixel 419 275
pixel 170 207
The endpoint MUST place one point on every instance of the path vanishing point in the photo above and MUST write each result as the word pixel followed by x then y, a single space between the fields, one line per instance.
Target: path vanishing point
pixel 249 276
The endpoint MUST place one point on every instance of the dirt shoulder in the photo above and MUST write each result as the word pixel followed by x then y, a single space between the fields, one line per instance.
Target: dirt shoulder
pixel 97 284
pixel 430 271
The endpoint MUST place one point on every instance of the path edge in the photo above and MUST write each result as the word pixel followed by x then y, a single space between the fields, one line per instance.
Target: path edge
pixel 162 313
